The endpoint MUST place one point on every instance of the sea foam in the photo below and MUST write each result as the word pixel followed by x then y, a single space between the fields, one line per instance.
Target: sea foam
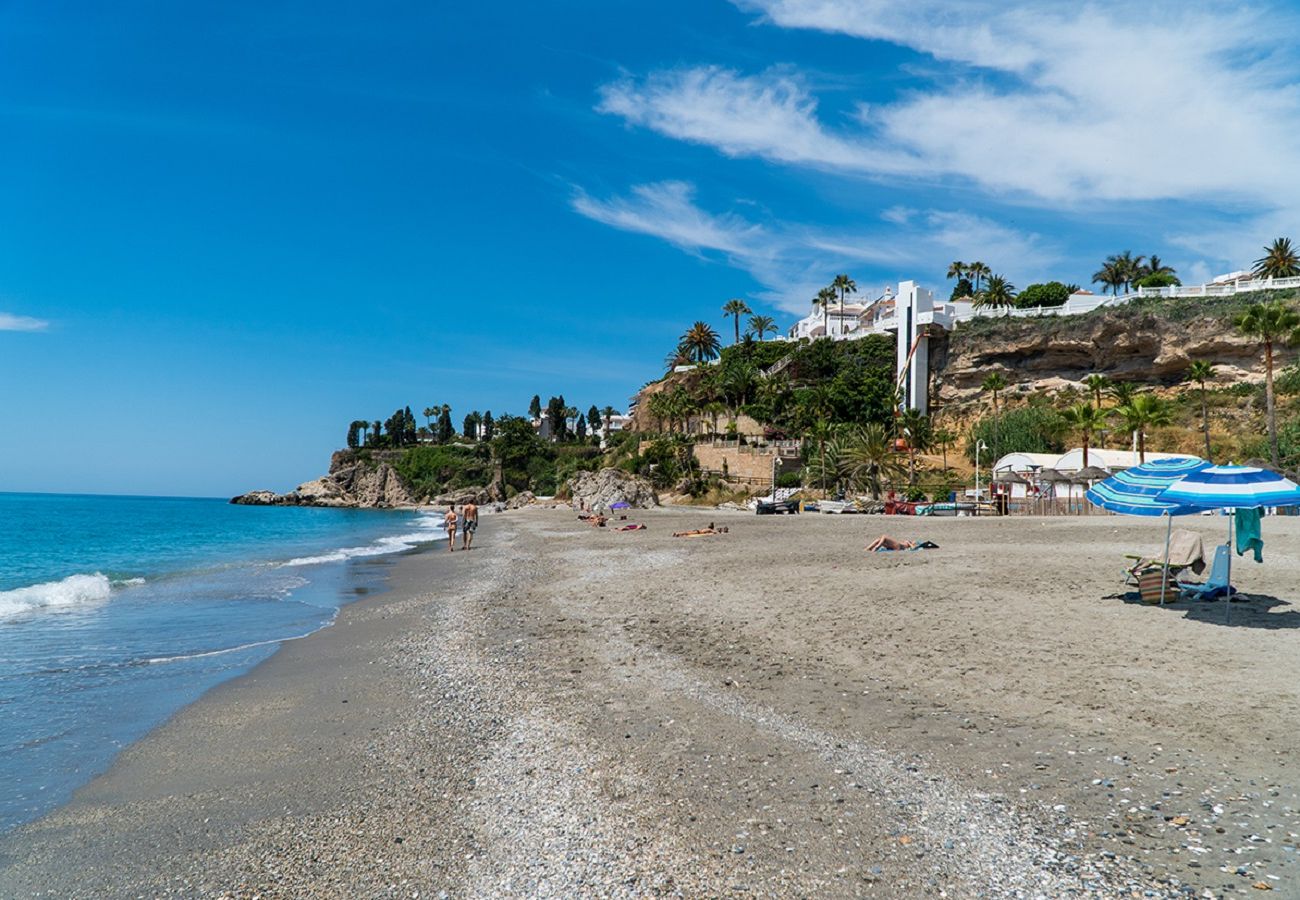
pixel 431 529
pixel 75 590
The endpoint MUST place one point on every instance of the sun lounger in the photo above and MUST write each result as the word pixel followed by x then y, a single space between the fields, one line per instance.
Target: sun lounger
pixel 1216 584
pixel 1185 551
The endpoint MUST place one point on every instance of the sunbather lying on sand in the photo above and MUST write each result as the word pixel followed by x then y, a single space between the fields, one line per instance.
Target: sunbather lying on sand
pixel 699 532
pixel 633 526
pixel 885 542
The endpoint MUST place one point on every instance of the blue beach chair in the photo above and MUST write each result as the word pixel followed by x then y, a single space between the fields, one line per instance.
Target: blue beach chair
pixel 1217 582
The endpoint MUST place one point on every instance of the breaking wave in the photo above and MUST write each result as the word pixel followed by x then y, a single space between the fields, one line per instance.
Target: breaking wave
pixel 73 591
pixel 431 529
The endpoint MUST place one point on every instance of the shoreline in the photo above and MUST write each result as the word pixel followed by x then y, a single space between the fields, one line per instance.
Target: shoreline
pixel 581 712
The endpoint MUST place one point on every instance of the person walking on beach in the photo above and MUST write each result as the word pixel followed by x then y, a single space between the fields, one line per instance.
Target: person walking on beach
pixel 468 524
pixel 449 525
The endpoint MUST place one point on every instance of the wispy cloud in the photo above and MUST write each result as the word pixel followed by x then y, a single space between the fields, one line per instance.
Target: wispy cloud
pixel 791 261
pixel 666 209
pixel 1038 102
pixel 11 322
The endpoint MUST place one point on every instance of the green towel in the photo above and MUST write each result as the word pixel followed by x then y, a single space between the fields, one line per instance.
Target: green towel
pixel 1248 536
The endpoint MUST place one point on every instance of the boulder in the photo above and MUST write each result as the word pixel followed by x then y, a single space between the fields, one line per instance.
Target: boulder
pixel 520 500
pixel 257 498
pixel 609 486
pixel 476 495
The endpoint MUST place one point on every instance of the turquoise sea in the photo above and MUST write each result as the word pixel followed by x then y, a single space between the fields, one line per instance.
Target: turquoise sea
pixel 117 611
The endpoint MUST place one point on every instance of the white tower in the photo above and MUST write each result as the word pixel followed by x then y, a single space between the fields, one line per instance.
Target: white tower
pixel 915 309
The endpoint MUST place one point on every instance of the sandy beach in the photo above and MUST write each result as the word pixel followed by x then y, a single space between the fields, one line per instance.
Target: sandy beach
pixel 568 711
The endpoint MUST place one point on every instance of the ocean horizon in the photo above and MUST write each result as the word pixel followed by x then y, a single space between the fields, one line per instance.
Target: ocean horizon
pixel 118 610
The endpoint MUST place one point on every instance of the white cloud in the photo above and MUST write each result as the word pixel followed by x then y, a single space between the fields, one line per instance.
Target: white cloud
pixel 666 209
pixel 11 322
pixel 1039 102
pixel 771 116
pixel 791 261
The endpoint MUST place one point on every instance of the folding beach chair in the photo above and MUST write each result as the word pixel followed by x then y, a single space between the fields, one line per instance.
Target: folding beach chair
pixel 1216 583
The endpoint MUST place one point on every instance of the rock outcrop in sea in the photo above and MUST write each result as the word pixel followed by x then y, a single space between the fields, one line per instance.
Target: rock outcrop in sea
pixel 610 486
pixel 353 481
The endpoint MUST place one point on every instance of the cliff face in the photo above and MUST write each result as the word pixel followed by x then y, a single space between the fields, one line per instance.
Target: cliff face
pixel 1128 345
pixel 354 481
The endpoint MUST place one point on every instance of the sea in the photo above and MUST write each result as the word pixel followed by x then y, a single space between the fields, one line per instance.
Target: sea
pixel 115 612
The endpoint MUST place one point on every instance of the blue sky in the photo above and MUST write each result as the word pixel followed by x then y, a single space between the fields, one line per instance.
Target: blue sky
pixel 227 232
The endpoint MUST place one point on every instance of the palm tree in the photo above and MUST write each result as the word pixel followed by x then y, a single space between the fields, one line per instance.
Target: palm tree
pixel 824 298
pixel 700 343
pixel 608 412
pixel 943 437
pixel 1280 260
pixel 845 285
pixel 1085 418
pixel 737 386
pixel 735 307
pixel 1130 266
pixel 1110 275
pixel 998 293
pixel 761 325
pixel 1142 412
pixel 429 413
pixel 1096 383
pixel 994 383
pixel 957 269
pixel 914 427
pixel 1122 392
pixel 1156 266
pixel 1269 323
pixel 867 459
pixel 1201 371
pixel 978 271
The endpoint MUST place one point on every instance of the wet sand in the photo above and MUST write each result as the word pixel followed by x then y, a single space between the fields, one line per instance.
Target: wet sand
pixel 569 711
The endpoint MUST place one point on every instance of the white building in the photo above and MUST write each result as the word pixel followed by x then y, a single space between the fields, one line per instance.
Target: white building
pixel 1030 465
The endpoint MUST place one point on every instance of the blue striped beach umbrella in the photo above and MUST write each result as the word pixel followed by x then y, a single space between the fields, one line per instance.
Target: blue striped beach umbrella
pixel 1134 492
pixel 1232 487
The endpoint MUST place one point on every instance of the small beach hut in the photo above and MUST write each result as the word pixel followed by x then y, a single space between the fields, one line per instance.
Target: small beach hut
pixel 1136 492
pixel 1053 477
pixel 1090 474
pixel 1231 488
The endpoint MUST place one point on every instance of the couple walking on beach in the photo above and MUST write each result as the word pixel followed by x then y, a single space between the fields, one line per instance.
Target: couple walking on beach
pixel 468 525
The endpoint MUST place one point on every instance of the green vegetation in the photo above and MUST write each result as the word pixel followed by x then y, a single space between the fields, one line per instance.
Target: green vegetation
pixel 1029 429
pixel 1280 260
pixel 1126 271
pixel 735 308
pixel 1269 324
pixel 1053 293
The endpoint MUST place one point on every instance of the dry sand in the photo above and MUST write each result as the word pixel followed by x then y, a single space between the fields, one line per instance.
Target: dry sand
pixel 569 711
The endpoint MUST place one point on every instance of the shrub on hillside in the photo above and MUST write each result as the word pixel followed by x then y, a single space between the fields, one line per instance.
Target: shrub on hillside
pixel 1053 293
pixel 1031 429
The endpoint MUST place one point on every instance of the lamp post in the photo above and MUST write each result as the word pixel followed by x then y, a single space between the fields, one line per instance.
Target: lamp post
pixel 979 445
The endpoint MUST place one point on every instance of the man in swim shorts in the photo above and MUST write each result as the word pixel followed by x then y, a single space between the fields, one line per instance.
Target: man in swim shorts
pixel 468 524
pixel 449 525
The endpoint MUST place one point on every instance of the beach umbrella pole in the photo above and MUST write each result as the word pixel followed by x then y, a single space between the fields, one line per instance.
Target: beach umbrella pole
pixel 1227 601
pixel 1164 580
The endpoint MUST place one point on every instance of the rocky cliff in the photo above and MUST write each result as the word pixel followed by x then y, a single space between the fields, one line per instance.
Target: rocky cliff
pixel 355 480
pixel 609 486
pixel 1124 344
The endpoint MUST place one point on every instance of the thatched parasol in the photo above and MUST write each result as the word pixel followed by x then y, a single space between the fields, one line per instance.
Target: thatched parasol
pixel 1009 478
pixel 1090 474
pixel 1052 476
